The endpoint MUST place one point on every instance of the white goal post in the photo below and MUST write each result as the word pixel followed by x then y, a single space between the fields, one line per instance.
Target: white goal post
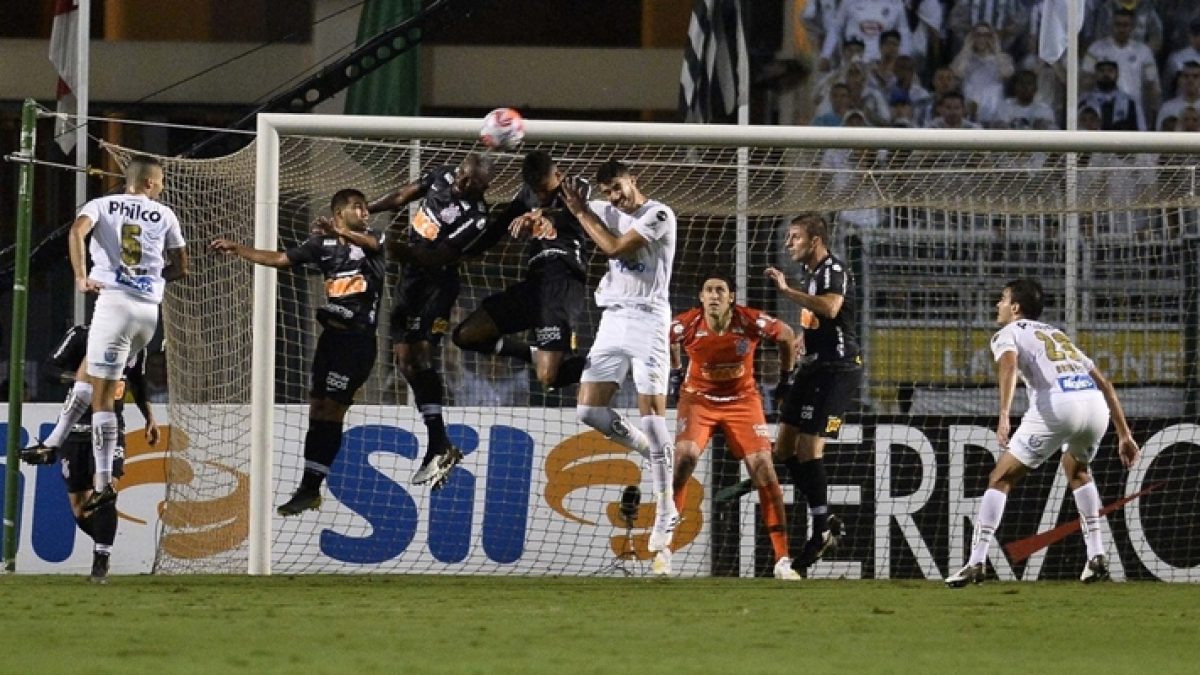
pixel 957 148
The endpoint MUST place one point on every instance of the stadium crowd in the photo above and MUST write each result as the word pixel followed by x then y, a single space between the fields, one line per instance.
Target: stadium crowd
pixel 974 64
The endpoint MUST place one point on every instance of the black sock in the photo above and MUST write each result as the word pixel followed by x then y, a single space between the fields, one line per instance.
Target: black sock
pixel 86 524
pixel 104 524
pixel 321 446
pixel 514 349
pixel 427 390
pixel 810 481
pixel 569 371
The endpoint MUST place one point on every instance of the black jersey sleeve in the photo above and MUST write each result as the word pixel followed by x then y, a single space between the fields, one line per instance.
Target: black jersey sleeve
pixel 307 252
pixel 833 279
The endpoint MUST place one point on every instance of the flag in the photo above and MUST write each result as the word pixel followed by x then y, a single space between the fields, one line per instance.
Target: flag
pixel 393 89
pixel 1052 30
pixel 64 51
pixel 709 90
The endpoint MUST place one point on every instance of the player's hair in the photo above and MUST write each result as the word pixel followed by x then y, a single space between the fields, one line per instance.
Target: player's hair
pixel 139 168
pixel 721 275
pixel 536 166
pixel 612 170
pixel 1027 293
pixel 482 163
pixel 814 225
pixel 343 197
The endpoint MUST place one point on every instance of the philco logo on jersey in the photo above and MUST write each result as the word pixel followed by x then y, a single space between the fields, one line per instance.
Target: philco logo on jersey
pixel 134 210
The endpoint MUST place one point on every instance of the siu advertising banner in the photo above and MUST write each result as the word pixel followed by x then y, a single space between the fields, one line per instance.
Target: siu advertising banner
pixel 537 494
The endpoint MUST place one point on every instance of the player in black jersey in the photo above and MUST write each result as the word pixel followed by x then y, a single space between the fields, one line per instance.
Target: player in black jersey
pixel 70 443
pixel 450 224
pixel 827 377
pixel 350 256
pixel 553 295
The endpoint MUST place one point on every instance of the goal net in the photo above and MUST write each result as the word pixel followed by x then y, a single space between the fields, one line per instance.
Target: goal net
pixel 932 225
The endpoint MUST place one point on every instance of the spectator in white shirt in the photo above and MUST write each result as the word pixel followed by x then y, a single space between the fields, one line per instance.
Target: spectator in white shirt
pixel 983 68
pixel 865 20
pixel 906 80
pixel 883 70
pixel 1147 25
pixel 1181 56
pixel 1023 110
pixel 1189 93
pixel 1139 72
pixel 952 113
pixel 1010 18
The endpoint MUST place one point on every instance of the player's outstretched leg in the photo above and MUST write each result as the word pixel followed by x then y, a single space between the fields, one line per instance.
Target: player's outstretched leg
pixel 662 452
pixel 440 455
pixel 77 403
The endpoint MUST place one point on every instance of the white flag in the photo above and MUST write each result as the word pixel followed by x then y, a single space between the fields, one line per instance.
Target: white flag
pixel 64 50
pixel 1052 32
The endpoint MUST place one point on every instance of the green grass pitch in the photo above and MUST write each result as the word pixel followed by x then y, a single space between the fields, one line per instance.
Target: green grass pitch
pixel 416 624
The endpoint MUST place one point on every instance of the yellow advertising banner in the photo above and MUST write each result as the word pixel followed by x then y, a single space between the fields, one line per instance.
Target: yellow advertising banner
pixel 950 356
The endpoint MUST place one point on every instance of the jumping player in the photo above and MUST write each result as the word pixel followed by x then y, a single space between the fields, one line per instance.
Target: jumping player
pixel 638 236
pixel 136 248
pixel 450 224
pixel 551 298
pixel 350 256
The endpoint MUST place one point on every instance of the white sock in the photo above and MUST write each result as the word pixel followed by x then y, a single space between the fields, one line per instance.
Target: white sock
pixel 1087 500
pixel 991 510
pixel 104 445
pixel 610 423
pixel 662 451
pixel 77 403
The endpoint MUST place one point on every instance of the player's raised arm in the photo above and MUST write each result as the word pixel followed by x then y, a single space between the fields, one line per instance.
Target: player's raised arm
pixel 77 247
pixel 825 305
pixel 276 259
pixel 1127 448
pixel 397 200
pixel 608 243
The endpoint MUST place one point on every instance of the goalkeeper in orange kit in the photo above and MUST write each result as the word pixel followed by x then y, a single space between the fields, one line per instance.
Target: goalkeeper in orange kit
pixel 719 392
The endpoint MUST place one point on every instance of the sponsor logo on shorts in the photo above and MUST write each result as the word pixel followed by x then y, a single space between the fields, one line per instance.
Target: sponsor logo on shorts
pixel 440 326
pixel 1077 382
pixel 762 431
pixel 337 382
pixel 547 334
pixel 413 323
pixel 806 412
pixel 833 425
pixel 110 355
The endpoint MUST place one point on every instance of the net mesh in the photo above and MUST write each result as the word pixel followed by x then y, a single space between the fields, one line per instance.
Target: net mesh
pixel 930 237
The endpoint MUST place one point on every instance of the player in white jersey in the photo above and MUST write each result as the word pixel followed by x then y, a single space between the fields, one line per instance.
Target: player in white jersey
pixel 1069 406
pixel 638 236
pixel 136 248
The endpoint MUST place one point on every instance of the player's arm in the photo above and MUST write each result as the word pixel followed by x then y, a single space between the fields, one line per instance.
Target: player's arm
pixel 366 239
pixel 397 200
pixel 826 305
pixel 135 377
pixel 177 264
pixel 276 259
pixel 1127 448
pixel 609 244
pixel 1006 371
pixel 77 248
pixel 786 345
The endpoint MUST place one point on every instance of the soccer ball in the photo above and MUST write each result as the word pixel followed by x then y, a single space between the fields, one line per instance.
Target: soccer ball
pixel 503 129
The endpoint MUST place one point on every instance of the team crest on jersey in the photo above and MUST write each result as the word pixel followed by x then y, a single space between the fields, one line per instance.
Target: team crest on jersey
pixel 742 346
pixel 450 213
pixel 356 253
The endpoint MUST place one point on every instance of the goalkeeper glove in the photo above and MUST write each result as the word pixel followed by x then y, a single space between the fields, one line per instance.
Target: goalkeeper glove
pixel 673 385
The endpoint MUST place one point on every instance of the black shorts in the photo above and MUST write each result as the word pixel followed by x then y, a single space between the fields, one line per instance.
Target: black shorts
pixel 78 465
pixel 819 398
pixel 342 364
pixel 549 305
pixel 422 303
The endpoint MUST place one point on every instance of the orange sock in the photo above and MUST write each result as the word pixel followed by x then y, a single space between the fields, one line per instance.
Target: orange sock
pixel 680 498
pixel 770 498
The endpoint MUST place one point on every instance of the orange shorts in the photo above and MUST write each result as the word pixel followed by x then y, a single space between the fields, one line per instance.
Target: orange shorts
pixel 742 422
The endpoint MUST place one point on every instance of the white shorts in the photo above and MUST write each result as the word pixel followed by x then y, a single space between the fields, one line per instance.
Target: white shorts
pixel 121 325
pixel 1074 422
pixel 631 337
